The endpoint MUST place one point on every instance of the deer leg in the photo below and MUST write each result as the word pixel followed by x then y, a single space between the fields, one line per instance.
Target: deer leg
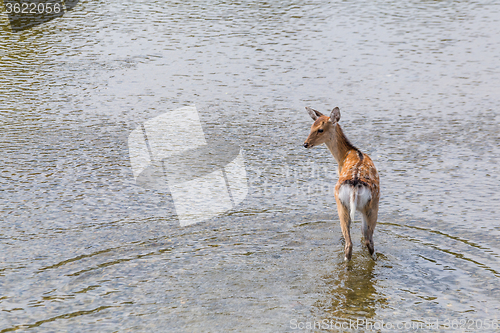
pixel 345 221
pixel 369 221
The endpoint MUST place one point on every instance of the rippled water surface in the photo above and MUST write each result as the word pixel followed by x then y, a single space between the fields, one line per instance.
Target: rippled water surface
pixel 83 248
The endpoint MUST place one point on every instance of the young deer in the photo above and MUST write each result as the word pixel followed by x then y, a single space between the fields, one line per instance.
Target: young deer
pixel 358 185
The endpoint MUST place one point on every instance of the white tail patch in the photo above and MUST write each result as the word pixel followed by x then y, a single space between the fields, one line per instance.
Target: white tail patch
pixel 352 202
pixel 354 197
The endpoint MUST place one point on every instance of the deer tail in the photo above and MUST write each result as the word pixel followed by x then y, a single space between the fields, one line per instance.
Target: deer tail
pixel 352 202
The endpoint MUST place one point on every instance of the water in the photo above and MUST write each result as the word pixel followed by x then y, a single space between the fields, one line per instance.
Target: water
pixel 84 249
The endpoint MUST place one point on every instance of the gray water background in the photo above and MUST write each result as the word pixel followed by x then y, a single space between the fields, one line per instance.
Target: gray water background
pixel 82 248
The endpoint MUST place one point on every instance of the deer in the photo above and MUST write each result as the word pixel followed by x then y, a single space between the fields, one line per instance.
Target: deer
pixel 358 186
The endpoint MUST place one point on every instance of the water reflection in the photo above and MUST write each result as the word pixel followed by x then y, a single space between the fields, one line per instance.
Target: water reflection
pixel 352 291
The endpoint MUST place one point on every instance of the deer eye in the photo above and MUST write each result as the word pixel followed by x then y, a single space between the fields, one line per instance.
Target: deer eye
pixel 320 130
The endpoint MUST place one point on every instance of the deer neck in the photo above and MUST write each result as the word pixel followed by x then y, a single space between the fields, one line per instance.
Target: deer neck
pixel 338 144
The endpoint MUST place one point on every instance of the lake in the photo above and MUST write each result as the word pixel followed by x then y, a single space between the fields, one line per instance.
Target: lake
pixel 84 247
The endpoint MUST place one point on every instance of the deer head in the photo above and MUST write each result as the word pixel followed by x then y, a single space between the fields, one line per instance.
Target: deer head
pixel 322 127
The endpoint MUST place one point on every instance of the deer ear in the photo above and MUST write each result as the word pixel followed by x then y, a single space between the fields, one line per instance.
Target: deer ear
pixel 313 113
pixel 335 115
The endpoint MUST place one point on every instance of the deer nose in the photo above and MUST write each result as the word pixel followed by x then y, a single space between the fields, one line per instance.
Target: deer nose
pixel 306 145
